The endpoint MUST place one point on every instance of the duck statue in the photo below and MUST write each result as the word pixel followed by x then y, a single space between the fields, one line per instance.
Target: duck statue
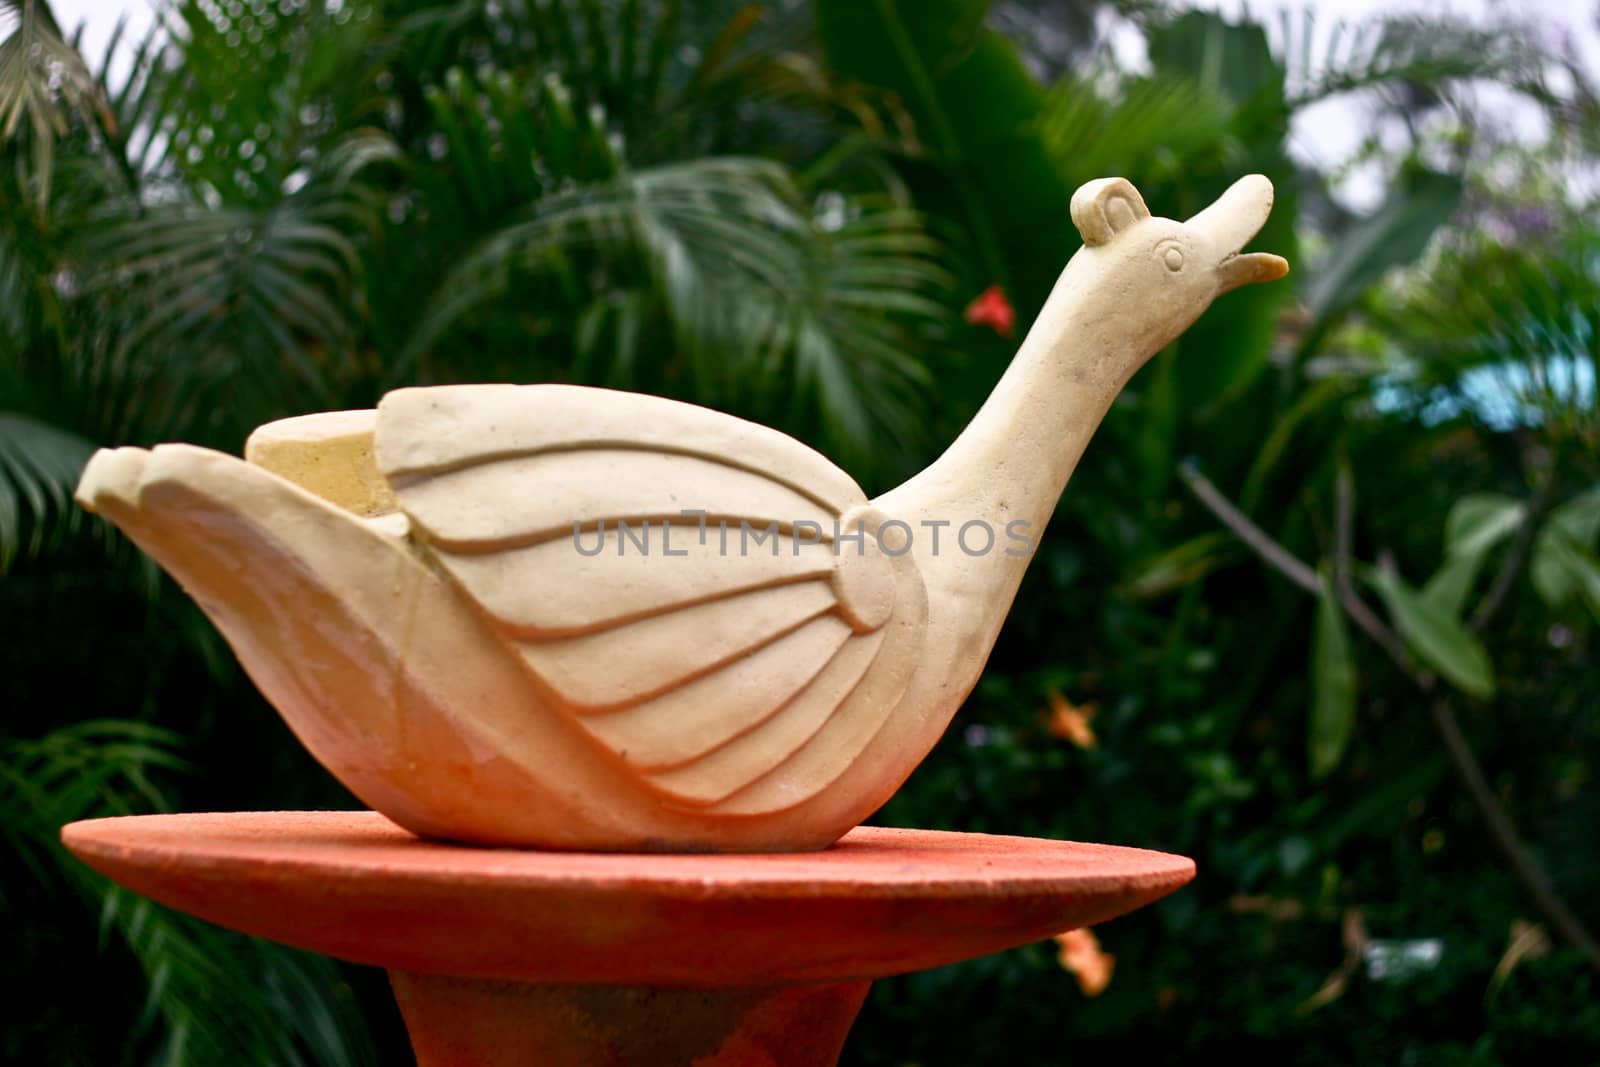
pixel 560 617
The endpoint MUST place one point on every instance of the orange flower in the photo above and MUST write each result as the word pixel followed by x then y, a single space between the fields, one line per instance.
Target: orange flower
pixel 993 310
pixel 1081 955
pixel 1070 722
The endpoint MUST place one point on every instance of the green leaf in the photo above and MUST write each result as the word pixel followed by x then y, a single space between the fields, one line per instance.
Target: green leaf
pixel 1448 588
pixel 1230 59
pixel 976 109
pixel 1437 637
pixel 1547 567
pixel 1568 533
pixel 1160 417
pixel 1333 686
pixel 1178 566
pixel 1585 571
pixel 1479 521
pixel 1476 523
pixel 1310 402
pixel 1579 518
pixel 1394 235
pixel 858 35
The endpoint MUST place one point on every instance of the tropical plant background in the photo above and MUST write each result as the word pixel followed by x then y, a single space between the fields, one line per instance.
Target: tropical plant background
pixel 1318 610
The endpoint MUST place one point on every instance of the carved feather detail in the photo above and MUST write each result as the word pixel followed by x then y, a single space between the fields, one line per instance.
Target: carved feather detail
pixel 702 619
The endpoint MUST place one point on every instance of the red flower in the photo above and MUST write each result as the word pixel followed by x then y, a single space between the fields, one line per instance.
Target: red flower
pixel 993 310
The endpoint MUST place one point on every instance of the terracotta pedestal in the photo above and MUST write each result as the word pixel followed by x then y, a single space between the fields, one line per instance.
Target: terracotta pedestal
pixel 505 957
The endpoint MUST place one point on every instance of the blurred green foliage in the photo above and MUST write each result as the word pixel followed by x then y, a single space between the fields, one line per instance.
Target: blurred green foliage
pixel 275 206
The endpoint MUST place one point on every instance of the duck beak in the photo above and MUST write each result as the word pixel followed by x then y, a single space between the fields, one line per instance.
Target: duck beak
pixel 1237 216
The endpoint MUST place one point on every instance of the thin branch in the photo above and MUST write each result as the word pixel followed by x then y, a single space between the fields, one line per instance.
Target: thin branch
pixel 1503 832
pixel 1497 820
pixel 1363 616
pixel 1278 557
pixel 1291 566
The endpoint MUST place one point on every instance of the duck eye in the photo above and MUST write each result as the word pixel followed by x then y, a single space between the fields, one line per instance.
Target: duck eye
pixel 1173 258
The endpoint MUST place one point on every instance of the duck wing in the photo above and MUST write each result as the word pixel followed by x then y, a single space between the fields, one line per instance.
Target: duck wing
pixel 705 597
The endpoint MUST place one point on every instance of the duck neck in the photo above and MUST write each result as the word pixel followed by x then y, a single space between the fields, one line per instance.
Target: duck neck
pixel 1008 468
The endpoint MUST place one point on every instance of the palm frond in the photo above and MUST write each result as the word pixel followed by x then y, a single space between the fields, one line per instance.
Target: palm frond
pixel 258 303
pixel 290 1009
pixel 44 85
pixel 684 223
pixel 502 143
pixel 621 58
pixel 753 287
pixel 140 138
pixel 872 303
pixel 39 468
pixel 98 767
pixel 1325 57
pixel 661 73
pixel 1154 127
pixel 294 1008
pixel 30 305
pixel 242 91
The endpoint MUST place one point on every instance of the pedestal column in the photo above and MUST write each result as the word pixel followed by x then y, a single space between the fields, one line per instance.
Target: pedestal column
pixel 467 1022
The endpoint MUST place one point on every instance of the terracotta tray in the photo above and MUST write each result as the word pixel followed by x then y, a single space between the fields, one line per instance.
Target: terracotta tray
pixel 502 956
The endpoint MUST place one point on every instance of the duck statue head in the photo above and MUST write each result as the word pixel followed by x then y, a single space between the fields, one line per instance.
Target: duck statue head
pixel 560 617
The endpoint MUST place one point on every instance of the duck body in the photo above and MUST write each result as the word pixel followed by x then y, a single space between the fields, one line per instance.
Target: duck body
pixel 561 617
